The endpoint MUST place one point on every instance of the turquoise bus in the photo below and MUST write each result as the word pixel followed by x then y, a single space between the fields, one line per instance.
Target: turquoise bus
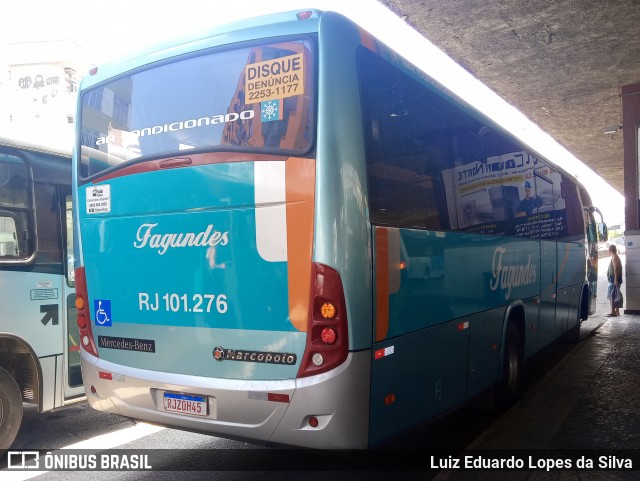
pixel 39 348
pixel 287 233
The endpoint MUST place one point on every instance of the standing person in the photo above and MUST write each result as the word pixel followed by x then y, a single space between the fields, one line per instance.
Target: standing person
pixel 614 276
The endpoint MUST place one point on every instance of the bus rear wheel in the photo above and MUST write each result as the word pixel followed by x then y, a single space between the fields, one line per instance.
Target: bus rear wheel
pixel 10 410
pixel 509 389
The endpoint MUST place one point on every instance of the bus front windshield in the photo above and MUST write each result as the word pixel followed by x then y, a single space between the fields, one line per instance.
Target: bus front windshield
pixel 255 99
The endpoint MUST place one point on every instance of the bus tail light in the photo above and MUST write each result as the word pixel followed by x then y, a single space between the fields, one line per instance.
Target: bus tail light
pixel 327 334
pixel 304 15
pixel 84 316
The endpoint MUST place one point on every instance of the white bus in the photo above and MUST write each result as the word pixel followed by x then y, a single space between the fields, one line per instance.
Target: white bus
pixel 39 351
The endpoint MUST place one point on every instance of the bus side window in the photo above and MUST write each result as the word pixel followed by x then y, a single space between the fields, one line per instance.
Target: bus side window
pixel 15 208
pixel 71 276
pixel 8 236
pixel 601 228
pixel 403 171
pixel 603 232
pixel 592 231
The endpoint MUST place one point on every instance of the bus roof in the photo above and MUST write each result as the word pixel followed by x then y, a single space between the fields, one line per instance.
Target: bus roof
pixel 28 144
pixel 265 26
pixel 272 25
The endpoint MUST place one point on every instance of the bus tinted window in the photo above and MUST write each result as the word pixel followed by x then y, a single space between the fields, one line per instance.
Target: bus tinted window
pixel 47 215
pixel 71 274
pixel 433 165
pixel 577 213
pixel 15 212
pixel 256 98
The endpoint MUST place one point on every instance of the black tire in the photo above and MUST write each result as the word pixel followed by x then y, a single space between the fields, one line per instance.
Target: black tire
pixel 573 335
pixel 10 410
pixel 509 389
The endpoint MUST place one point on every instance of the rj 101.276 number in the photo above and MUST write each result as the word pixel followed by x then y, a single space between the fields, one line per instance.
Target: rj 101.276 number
pixel 204 303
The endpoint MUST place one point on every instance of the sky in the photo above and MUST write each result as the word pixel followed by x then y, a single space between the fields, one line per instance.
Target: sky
pixel 112 28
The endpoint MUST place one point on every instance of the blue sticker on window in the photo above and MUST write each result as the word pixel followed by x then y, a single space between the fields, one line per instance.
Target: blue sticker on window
pixel 271 110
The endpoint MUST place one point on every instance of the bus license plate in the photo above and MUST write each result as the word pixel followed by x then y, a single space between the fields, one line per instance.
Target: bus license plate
pixel 185 404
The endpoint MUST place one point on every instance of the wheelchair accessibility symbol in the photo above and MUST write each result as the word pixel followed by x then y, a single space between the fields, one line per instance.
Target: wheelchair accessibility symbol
pixel 102 310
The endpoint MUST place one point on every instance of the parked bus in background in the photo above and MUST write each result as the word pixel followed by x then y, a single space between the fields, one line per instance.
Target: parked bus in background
pixel 288 233
pixel 39 350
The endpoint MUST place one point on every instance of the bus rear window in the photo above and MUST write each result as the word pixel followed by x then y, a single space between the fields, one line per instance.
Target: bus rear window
pixel 255 99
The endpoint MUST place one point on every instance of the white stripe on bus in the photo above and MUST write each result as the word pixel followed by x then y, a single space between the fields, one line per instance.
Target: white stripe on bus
pixel 271 210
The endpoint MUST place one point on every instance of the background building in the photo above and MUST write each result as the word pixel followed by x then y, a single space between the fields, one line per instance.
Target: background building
pixel 38 90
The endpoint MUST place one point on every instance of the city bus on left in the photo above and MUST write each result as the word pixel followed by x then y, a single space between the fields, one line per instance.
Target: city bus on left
pixel 39 351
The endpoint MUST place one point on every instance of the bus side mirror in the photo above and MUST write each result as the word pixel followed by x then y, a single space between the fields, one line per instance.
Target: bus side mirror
pixel 603 232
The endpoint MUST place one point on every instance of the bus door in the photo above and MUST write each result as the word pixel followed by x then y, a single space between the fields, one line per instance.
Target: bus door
pixel 71 359
pixel 543 218
pixel 592 248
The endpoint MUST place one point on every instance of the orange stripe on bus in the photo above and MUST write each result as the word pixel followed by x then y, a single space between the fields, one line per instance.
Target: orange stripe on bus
pixel 382 283
pixel 300 181
pixel 394 260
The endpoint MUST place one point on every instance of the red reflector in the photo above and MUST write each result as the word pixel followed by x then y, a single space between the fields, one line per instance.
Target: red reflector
pixel 93 71
pixel 385 351
pixel 328 335
pixel 389 399
pixel 463 325
pixel 304 15
pixel 105 375
pixel 279 398
pixel 313 422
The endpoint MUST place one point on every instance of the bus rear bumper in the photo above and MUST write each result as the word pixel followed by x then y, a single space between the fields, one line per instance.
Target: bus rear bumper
pixel 274 411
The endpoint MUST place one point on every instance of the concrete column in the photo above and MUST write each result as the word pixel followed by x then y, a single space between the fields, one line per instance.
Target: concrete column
pixel 631 138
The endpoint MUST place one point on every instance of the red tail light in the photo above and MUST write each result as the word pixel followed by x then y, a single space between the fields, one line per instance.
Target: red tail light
pixel 304 15
pixel 327 334
pixel 84 314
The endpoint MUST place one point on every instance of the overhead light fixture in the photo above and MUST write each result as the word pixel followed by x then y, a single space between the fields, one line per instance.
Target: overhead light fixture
pixel 612 129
